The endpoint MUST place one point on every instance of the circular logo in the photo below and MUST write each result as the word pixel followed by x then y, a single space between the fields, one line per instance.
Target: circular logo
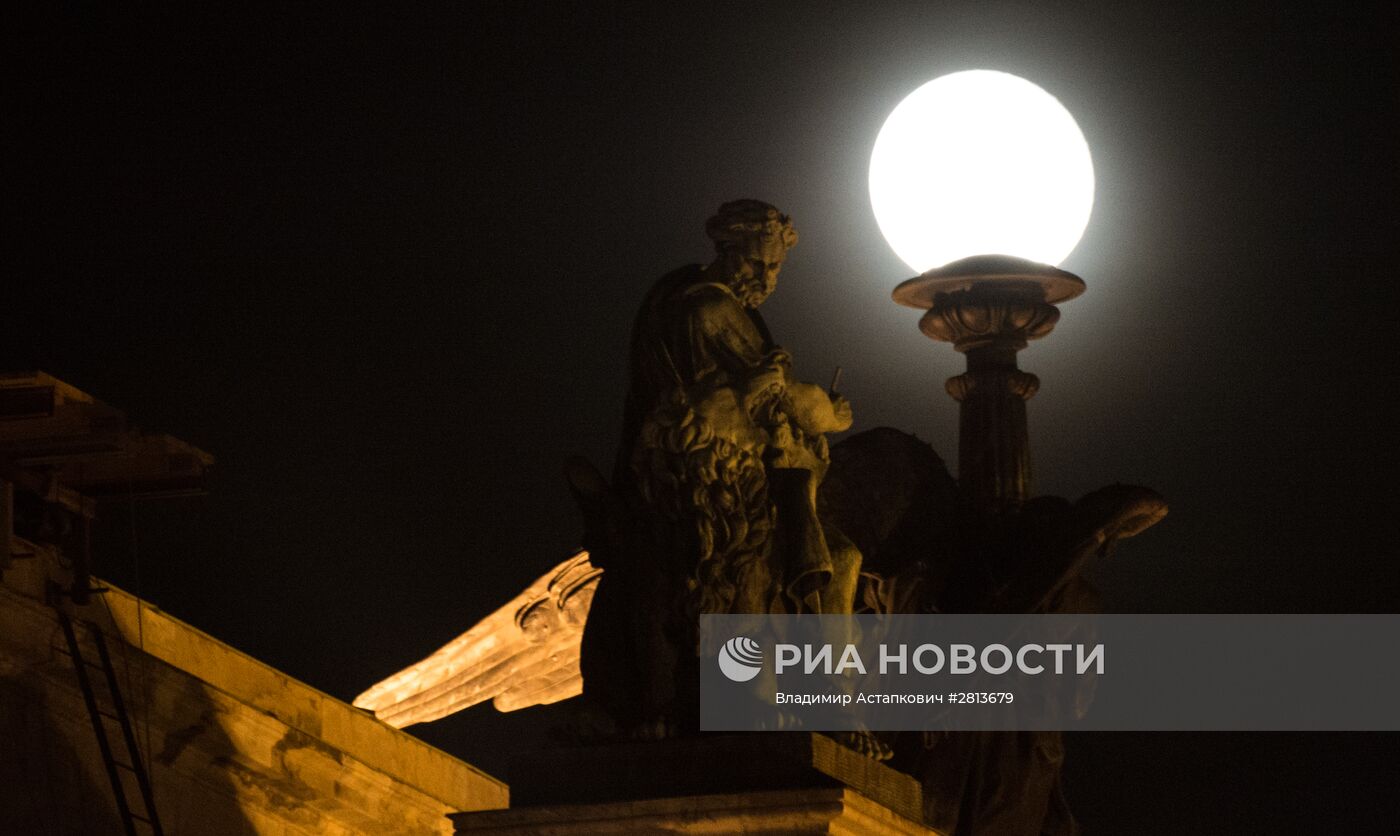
pixel 740 659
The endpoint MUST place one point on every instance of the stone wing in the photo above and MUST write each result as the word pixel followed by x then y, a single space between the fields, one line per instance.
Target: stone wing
pixel 525 653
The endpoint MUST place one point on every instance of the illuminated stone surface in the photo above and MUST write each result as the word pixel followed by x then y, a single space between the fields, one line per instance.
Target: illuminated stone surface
pixel 525 653
pixel 232 745
pixel 820 810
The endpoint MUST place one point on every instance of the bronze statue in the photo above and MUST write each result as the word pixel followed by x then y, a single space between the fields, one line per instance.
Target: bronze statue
pixel 924 552
pixel 725 498
pixel 713 502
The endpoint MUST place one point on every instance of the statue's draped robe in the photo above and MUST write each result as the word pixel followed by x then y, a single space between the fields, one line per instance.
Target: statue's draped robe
pixel 701 530
pixel 696 347
pixel 687 332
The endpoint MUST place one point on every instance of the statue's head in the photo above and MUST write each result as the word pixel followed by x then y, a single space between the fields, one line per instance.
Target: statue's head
pixel 751 241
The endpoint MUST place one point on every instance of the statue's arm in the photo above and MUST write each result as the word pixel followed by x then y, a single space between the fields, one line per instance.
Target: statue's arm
pixel 722 330
pixel 723 334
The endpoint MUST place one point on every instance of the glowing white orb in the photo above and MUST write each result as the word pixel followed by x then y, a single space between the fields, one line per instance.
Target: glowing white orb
pixel 981 162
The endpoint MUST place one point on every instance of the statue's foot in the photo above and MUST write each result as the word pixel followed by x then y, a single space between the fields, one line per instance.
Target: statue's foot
pixel 865 742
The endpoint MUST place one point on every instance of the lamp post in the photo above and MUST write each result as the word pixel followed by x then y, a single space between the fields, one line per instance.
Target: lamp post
pixel 989 307
pixel 982 161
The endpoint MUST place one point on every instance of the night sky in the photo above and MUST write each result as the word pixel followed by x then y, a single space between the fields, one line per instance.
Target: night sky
pixel 382 265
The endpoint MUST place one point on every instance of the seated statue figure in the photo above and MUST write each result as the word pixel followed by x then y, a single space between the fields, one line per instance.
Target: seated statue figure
pixel 712 507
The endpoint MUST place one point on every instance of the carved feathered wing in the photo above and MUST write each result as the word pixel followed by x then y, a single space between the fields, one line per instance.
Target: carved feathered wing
pixel 525 653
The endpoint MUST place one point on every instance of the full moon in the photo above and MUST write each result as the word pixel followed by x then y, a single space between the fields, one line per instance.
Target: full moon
pixel 977 163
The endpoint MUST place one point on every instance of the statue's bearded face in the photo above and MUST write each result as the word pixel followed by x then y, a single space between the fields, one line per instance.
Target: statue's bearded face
pixel 753 268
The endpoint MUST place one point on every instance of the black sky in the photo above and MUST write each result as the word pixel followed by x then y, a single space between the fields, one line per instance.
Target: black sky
pixel 382 264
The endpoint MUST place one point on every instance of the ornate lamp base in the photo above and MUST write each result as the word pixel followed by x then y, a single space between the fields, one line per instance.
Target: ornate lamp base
pixel 989 307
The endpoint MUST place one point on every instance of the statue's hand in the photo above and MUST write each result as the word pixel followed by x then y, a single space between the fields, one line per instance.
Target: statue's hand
pixel 766 383
pixel 769 378
pixel 842 417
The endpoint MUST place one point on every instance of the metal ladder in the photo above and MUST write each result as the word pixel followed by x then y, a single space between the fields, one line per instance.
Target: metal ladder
pixel 99 726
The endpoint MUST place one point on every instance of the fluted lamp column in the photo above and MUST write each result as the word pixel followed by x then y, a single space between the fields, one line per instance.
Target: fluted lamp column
pixel 990 307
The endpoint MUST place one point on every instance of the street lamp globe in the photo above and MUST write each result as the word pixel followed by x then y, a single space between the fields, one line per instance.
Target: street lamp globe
pixel 981 162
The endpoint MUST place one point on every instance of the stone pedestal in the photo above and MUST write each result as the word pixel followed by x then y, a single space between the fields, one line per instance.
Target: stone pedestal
pixel 793 782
